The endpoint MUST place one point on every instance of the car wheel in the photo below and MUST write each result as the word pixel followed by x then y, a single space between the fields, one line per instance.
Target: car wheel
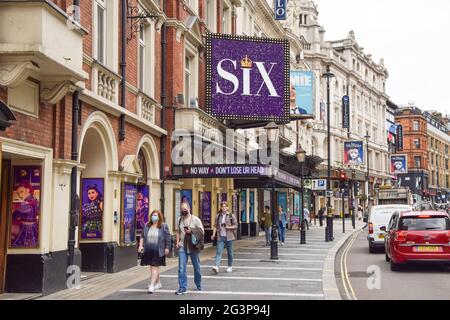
pixel 395 266
pixel 387 258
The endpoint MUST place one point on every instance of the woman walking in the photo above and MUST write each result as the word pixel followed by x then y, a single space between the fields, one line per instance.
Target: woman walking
pixel 225 231
pixel 155 248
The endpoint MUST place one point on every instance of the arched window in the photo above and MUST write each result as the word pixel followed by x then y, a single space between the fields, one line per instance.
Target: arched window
pixel 143 165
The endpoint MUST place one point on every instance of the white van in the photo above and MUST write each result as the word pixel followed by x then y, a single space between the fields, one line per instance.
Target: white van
pixel 379 217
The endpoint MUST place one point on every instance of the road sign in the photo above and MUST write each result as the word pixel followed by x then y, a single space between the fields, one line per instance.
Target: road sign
pixel 329 194
pixel 319 184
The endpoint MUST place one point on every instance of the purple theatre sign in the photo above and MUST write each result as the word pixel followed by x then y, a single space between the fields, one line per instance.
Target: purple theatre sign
pixel 247 78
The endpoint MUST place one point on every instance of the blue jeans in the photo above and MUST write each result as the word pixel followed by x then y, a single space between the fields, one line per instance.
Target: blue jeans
pixel 182 268
pixel 282 232
pixel 221 243
pixel 268 234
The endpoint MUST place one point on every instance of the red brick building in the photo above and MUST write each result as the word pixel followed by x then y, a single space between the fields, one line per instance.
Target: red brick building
pixel 48 63
pixel 415 146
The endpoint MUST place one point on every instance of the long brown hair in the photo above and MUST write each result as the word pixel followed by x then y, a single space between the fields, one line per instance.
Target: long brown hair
pixel 160 220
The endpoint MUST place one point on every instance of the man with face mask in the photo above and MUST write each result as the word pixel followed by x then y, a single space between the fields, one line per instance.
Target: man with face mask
pixel 190 231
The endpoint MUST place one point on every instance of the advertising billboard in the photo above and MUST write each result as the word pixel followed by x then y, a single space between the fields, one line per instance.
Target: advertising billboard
pixel 399 164
pixel 301 98
pixel 353 153
pixel 247 78
pixel 25 210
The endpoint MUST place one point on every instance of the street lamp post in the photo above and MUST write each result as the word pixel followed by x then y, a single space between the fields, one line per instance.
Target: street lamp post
pixel 301 157
pixel 352 201
pixel 367 137
pixel 272 134
pixel 329 228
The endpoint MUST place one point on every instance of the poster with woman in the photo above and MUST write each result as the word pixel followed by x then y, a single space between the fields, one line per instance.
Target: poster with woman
pixel 129 199
pixel 282 202
pixel 244 206
pixel 92 190
pixel 25 208
pixel 399 164
pixel 142 207
pixel 205 198
pixel 353 153
pixel 295 218
pixel 186 197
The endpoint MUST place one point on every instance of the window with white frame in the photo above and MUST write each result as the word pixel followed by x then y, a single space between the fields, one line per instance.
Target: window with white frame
pixel 141 58
pixel 193 4
pixel 146 58
pixel 190 76
pixel 226 18
pixel 211 15
pixel 100 32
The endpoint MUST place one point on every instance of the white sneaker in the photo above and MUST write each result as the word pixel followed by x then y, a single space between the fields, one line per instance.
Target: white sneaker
pixel 151 289
pixel 158 286
pixel 282 243
pixel 230 269
pixel 215 270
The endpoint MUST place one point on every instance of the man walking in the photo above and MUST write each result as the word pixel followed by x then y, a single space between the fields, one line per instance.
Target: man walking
pixel 321 214
pixel 225 228
pixel 306 216
pixel 266 223
pixel 190 239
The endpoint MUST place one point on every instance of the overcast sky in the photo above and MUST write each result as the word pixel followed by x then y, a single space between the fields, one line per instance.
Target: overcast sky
pixel 411 35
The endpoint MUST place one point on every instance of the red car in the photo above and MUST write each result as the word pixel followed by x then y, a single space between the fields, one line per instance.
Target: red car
pixel 418 237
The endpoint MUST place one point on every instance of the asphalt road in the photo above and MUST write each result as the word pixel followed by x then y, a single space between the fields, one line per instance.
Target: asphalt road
pixel 368 276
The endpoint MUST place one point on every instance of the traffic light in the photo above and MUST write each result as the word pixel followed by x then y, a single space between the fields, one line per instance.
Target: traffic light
pixel 343 179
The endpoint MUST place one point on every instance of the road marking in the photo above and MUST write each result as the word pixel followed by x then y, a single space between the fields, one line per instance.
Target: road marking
pixel 265 268
pixel 285 248
pixel 236 293
pixel 246 278
pixel 279 260
pixel 344 272
pixel 284 254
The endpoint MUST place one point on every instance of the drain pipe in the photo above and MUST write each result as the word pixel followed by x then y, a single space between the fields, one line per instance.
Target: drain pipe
pixel 123 69
pixel 163 139
pixel 73 221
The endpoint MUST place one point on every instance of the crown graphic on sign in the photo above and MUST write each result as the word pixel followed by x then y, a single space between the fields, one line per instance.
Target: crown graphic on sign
pixel 246 62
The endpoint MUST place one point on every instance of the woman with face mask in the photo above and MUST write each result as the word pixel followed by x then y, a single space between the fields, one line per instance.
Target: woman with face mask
pixel 155 244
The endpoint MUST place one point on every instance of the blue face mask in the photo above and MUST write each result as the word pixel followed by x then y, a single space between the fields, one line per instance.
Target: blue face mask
pixel 155 219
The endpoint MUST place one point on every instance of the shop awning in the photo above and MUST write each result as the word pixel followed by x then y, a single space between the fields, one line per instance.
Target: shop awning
pixel 6 116
pixel 252 176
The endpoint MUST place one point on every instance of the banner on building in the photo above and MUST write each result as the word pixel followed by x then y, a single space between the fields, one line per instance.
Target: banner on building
pixel 25 210
pixel 399 164
pixel 247 78
pixel 129 200
pixel 399 140
pixel 346 112
pixel 142 207
pixel 322 111
pixel 280 9
pixel 92 190
pixel 301 93
pixel 353 153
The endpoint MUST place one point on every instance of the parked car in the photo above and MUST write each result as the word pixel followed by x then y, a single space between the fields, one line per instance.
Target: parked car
pixel 379 217
pixel 418 237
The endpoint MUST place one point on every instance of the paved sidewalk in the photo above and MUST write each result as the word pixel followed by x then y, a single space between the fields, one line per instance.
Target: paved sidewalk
pixel 302 272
